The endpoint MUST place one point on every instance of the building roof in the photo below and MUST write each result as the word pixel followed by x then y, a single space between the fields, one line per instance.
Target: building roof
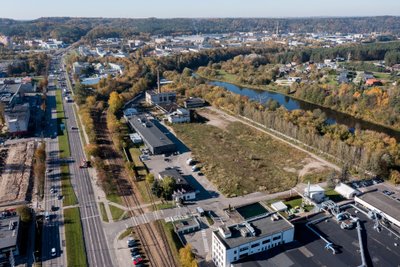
pixel 279 206
pixel 181 182
pixel 263 225
pixel 345 190
pixel 383 203
pixel 314 188
pixel 185 223
pixel 9 232
pixel 149 131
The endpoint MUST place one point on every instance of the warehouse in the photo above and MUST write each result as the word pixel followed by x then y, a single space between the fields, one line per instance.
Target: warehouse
pixel 155 140
pixel 387 205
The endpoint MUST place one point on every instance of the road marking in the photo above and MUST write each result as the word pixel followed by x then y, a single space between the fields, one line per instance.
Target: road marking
pixel 94 216
pixel 205 241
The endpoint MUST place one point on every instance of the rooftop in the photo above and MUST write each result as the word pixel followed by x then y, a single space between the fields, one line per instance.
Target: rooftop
pixel 385 203
pixel 9 232
pixel 149 131
pixel 185 223
pixel 263 225
pixel 180 180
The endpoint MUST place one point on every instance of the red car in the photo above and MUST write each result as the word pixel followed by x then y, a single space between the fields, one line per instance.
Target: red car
pixel 137 261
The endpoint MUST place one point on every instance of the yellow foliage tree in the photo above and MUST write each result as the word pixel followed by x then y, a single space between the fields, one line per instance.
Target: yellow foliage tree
pixel 115 102
pixel 186 257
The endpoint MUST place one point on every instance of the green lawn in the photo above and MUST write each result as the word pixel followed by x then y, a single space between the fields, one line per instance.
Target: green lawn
pixel 139 166
pixel 63 143
pixel 116 213
pixel 333 195
pixel 76 255
pixel 296 202
pixel 141 186
pixel 164 206
pixel 173 240
pixel 114 198
pixel 127 232
pixel 103 212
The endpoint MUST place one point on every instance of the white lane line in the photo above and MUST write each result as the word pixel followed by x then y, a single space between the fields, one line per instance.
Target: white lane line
pixel 205 241
pixel 94 216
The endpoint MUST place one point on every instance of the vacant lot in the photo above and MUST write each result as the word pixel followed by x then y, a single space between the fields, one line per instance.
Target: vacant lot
pixel 241 160
pixel 15 171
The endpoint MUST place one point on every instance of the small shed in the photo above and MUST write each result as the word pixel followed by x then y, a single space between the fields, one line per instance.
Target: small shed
pixel 315 192
pixel 279 206
pixel 346 191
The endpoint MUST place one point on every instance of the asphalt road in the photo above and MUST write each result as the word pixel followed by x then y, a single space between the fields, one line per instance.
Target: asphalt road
pixel 97 249
pixel 53 229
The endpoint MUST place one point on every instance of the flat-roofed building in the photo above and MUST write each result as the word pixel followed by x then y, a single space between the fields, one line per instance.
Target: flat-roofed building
pixel 186 225
pixel 155 140
pixel 17 119
pixel 154 97
pixel 181 115
pixel 194 102
pixel 9 236
pixel 387 206
pixel 231 243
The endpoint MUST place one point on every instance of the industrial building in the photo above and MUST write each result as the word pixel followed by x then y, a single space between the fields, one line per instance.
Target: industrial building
pixel 155 140
pixel 156 97
pixel 386 205
pixel 9 235
pixel 258 234
pixel 315 192
pixel 181 115
pixel 183 191
pixel 17 119
pixel 194 102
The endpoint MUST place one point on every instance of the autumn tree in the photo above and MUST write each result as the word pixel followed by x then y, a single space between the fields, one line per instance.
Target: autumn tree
pixel 186 256
pixel 115 102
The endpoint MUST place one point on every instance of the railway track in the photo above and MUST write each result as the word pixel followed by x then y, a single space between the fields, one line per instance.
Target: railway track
pixel 158 253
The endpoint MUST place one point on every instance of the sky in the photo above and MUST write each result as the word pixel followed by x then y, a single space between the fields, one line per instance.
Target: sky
pixel 32 9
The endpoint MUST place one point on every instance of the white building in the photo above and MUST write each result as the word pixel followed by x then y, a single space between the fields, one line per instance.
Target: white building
pixel 183 191
pixel 315 193
pixel 346 191
pixel 17 119
pixel 387 207
pixel 136 139
pixel 234 242
pixel 279 206
pixel 181 115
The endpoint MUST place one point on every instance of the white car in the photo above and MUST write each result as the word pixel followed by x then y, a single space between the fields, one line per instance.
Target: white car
pixel 53 252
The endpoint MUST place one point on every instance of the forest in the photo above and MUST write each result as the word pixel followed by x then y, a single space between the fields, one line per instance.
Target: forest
pixel 72 29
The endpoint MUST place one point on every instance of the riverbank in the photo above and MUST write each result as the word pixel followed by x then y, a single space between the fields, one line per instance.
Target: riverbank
pixel 368 124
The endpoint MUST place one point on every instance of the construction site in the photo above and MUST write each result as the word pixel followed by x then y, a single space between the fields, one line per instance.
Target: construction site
pixel 15 172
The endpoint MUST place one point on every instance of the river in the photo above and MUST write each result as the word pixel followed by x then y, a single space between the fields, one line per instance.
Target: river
pixel 292 104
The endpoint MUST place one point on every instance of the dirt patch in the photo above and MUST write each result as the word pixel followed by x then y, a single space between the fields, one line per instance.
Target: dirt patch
pixel 16 171
pixel 312 166
pixel 215 119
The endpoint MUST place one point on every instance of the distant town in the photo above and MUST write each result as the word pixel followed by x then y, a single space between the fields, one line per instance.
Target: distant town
pixel 267 147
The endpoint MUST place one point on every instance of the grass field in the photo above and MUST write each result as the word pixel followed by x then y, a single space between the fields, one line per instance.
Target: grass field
pixel 74 238
pixel 66 186
pixel 114 198
pixel 333 195
pixel 103 212
pixel 116 213
pixel 241 160
pixel 141 186
pixel 139 166
pixel 127 232
pixel 173 240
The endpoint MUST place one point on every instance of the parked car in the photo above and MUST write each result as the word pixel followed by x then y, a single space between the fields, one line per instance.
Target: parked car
pixel 138 260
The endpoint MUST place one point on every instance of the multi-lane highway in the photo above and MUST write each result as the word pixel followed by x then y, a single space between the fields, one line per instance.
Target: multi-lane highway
pixel 53 229
pixel 97 249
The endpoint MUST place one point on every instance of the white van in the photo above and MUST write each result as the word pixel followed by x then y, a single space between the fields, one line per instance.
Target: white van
pixel 53 252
